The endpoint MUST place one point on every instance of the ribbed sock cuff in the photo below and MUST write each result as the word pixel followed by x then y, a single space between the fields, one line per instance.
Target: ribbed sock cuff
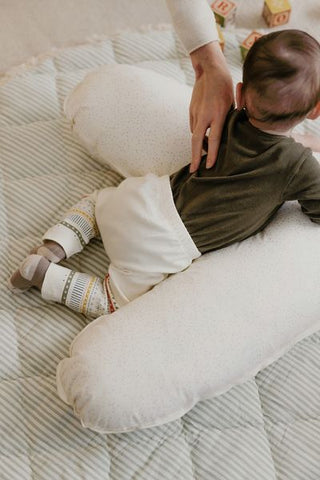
pixel 54 283
pixel 65 237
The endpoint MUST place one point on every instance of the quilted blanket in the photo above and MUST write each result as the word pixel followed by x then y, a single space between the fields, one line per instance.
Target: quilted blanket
pixel 265 429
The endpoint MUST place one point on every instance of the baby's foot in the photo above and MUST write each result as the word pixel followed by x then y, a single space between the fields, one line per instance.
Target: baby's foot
pixel 31 273
pixel 50 250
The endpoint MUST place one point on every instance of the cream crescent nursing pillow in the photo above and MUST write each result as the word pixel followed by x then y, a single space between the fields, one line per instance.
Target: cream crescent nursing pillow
pixel 132 119
pixel 204 330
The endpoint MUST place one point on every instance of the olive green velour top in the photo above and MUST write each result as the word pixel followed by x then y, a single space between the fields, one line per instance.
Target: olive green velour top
pixel 255 173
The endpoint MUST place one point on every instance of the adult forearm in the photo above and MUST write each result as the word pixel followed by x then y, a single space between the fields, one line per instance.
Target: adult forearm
pixel 212 94
pixel 207 58
pixel 194 22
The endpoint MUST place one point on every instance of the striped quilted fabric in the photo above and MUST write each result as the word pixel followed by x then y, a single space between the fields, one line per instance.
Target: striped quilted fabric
pixel 265 429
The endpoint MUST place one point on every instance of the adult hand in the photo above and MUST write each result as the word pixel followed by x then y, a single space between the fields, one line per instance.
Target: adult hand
pixel 211 100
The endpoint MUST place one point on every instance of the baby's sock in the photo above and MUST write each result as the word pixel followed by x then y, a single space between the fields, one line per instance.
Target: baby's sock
pixel 72 233
pixel 50 250
pixel 79 291
pixel 31 273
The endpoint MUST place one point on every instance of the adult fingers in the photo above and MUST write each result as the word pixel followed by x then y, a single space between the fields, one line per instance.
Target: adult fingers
pixel 197 140
pixel 191 121
pixel 214 141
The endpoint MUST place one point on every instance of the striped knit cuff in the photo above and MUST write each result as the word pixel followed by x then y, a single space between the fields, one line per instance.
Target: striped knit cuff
pixel 67 237
pixel 54 282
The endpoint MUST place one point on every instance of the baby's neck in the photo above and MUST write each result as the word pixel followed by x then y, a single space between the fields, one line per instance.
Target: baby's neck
pixel 264 128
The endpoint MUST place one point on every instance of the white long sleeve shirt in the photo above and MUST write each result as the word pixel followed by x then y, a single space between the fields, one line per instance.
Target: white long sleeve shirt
pixel 194 22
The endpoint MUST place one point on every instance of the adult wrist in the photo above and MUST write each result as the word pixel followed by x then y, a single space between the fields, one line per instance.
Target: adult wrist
pixel 207 58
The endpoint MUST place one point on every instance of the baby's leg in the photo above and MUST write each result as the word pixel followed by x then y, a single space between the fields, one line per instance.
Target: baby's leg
pixel 61 241
pixel 72 233
pixel 81 292
pixel 30 274
pixel 51 250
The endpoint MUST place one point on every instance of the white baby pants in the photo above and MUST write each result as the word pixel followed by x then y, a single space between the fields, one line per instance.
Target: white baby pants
pixel 142 233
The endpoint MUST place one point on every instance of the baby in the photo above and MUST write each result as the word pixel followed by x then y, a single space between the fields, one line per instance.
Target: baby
pixel 152 226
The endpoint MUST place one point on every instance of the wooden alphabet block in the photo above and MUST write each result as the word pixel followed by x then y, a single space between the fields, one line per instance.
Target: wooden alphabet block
pixel 224 11
pixel 276 12
pixel 221 37
pixel 248 42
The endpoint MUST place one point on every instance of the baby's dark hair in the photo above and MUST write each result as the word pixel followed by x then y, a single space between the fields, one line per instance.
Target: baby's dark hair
pixel 283 69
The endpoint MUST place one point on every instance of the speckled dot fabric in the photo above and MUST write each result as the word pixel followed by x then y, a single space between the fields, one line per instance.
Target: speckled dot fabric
pixel 133 119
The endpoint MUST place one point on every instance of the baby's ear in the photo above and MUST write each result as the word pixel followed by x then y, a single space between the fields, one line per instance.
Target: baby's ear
pixel 239 96
pixel 315 112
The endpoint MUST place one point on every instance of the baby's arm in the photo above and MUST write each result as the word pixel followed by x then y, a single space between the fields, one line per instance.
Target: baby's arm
pixel 304 186
pixel 308 140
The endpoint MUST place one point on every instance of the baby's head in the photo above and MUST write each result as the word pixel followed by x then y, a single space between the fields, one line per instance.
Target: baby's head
pixel 281 80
